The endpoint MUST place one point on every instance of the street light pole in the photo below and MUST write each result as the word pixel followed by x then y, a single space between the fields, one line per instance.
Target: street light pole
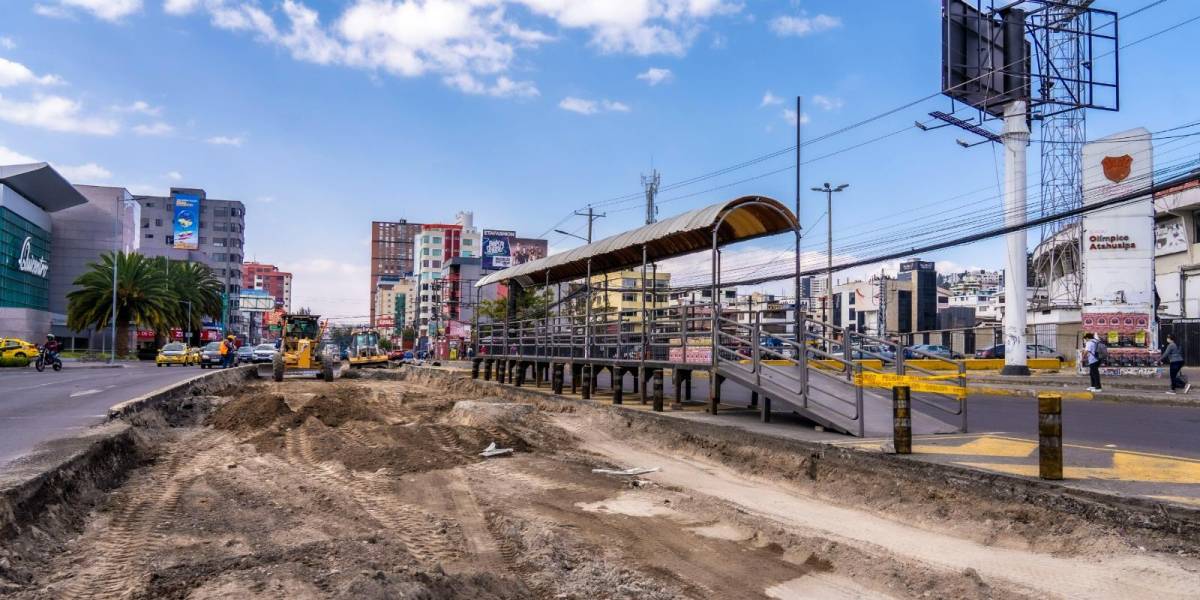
pixel 827 307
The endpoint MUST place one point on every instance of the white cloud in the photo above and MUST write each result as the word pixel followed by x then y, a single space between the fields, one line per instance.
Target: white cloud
pixel 108 10
pixel 225 140
pixel 265 199
pixel 55 113
pixel 141 107
pixel 827 102
pixel 770 99
pixel 502 88
pixel 85 173
pixel 591 107
pixel 802 25
pixel 7 43
pixel 655 76
pixel 180 7
pixel 789 115
pixel 14 73
pixel 174 175
pixel 471 45
pixel 154 129
pixel 321 284
pixel 12 157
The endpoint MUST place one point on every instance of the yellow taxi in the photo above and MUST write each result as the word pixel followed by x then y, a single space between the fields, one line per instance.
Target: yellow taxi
pixel 174 353
pixel 16 352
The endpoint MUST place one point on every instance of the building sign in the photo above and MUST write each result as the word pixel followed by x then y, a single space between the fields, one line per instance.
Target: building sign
pixel 526 249
pixel 1097 241
pixel 497 249
pixel 1169 237
pixel 186 222
pixel 27 262
pixel 24 263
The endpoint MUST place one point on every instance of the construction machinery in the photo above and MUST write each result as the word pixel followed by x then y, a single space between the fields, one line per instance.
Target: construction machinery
pixel 301 352
pixel 365 351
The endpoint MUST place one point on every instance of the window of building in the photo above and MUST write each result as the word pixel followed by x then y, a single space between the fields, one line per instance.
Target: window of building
pixel 219 242
pixel 467 242
pixel 149 236
pixel 730 294
pixel 145 223
pixel 467 254
pixel 850 301
pixel 220 226
pixel 437 251
pixel 629 297
pixel 203 240
pixel 220 257
pixel 425 263
pixel 437 264
pixel 221 212
pixel 437 239
pixel 169 239
pixel 706 293
pixel 852 313
pixel 149 205
pixel 158 222
pixel 424 251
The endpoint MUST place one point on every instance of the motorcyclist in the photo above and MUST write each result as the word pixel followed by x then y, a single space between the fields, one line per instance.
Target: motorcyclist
pixel 51 347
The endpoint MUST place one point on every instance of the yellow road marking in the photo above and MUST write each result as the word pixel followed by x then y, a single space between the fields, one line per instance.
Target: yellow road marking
pixel 988 446
pixel 1099 449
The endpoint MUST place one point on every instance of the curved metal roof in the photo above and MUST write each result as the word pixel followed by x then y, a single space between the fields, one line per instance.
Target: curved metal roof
pixel 40 184
pixel 745 218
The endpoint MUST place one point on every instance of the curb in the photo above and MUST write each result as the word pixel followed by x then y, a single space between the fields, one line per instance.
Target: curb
pixel 1159 399
pixel 81 468
pixel 1114 510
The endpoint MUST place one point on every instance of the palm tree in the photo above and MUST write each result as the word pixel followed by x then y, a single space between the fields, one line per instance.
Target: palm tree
pixel 143 296
pixel 194 283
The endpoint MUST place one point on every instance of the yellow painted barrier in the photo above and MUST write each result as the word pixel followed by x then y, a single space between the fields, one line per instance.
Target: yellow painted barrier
pixel 983 364
pixel 916 383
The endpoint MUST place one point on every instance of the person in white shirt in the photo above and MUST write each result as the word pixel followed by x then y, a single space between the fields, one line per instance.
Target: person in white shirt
pixel 1092 360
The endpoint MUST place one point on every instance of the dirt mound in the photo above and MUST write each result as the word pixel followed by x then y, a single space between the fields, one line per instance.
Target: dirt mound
pixel 485 413
pixel 249 412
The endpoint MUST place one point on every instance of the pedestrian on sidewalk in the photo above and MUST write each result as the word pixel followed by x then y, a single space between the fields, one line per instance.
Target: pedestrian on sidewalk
pixel 1091 358
pixel 1173 356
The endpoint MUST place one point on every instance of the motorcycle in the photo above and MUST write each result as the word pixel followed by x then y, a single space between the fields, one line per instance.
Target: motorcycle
pixel 45 357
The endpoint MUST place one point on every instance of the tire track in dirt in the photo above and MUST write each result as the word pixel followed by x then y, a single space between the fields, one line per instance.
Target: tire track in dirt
pixel 504 470
pixel 422 536
pixel 135 533
pixel 445 437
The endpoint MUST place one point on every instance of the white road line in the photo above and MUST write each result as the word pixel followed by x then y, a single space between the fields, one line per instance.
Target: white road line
pixel 85 393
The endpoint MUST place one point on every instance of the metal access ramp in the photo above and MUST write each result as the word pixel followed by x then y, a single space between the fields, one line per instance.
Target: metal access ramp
pixel 844 387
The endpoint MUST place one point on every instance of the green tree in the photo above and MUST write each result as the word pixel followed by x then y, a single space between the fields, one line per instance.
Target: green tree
pixel 193 282
pixel 143 296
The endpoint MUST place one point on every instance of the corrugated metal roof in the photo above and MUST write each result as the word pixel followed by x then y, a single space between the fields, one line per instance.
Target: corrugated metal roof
pixel 748 217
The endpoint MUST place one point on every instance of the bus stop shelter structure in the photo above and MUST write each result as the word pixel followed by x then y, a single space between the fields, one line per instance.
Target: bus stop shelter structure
pixel 810 367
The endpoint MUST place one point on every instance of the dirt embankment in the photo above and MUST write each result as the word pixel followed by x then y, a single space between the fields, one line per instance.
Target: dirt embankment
pixel 374 488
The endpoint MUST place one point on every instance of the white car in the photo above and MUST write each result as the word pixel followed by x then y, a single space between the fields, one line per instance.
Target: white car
pixel 264 353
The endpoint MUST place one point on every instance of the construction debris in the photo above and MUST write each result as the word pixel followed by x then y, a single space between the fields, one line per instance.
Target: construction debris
pixel 627 472
pixel 493 450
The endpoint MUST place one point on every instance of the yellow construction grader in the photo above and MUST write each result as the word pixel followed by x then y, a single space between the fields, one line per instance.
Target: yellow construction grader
pixel 300 351
pixel 365 351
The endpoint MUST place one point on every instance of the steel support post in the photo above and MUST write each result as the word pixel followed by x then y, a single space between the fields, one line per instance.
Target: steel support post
pixel 501 370
pixel 519 380
pixel 586 392
pixel 1050 450
pixel 753 399
pixel 677 379
pixel 1016 140
pixel 537 374
pixel 557 378
pixel 618 385
pixel 475 368
pixel 714 392
pixel 641 378
pixel 901 419
pixel 487 370
pixel 764 413
pixel 658 390
pixel 576 369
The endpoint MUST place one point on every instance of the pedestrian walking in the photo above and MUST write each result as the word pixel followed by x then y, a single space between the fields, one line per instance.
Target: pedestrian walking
pixel 228 351
pixel 1092 354
pixel 1173 356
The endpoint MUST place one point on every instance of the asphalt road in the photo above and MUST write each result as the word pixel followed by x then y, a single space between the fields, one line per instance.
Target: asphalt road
pixel 1170 430
pixel 36 407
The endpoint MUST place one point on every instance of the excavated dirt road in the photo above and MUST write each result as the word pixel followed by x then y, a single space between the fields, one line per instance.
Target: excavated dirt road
pixel 373 488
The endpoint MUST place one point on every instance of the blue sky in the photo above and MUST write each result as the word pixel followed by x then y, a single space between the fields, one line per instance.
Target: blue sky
pixel 324 115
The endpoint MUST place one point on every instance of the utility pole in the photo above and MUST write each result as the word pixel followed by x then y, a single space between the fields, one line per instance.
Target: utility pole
pixel 829 247
pixel 650 182
pixel 1016 137
pixel 591 215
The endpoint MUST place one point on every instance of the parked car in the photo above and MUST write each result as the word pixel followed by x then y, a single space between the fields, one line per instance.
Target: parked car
pixel 17 352
pixel 210 355
pixel 174 353
pixel 1031 351
pixel 408 356
pixel 264 353
pixel 938 351
pixel 396 355
pixel 244 354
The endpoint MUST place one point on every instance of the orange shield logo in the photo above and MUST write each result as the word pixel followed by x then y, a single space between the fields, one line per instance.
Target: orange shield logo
pixel 1116 168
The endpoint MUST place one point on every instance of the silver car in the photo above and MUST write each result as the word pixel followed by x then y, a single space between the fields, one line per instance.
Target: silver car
pixel 264 353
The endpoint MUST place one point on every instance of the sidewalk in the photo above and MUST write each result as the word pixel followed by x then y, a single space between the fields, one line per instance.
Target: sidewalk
pixel 1144 390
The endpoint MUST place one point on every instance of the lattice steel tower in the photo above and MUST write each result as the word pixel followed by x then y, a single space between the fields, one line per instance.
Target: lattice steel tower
pixel 1063 133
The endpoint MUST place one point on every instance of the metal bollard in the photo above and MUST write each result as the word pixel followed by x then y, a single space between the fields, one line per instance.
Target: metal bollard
pixel 537 375
pixel 557 378
pixel 902 419
pixel 487 370
pixel 475 368
pixel 658 390
pixel 519 380
pixel 501 370
pixel 586 393
pixel 1050 451
pixel 714 391
pixel 765 412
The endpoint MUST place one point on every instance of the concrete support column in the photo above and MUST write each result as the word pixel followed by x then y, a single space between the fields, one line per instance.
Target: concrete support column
pixel 475 364
pixel 714 391
pixel 575 374
pixel 587 381
pixel 487 370
pixel 618 385
pixel 519 380
pixel 537 374
pixel 765 410
pixel 753 399
pixel 1016 140
pixel 557 377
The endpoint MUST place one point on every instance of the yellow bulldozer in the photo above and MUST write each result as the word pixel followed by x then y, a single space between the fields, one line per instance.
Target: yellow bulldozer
pixel 365 351
pixel 301 352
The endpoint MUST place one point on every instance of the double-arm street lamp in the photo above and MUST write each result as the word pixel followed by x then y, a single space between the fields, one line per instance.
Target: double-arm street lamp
pixel 829 246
